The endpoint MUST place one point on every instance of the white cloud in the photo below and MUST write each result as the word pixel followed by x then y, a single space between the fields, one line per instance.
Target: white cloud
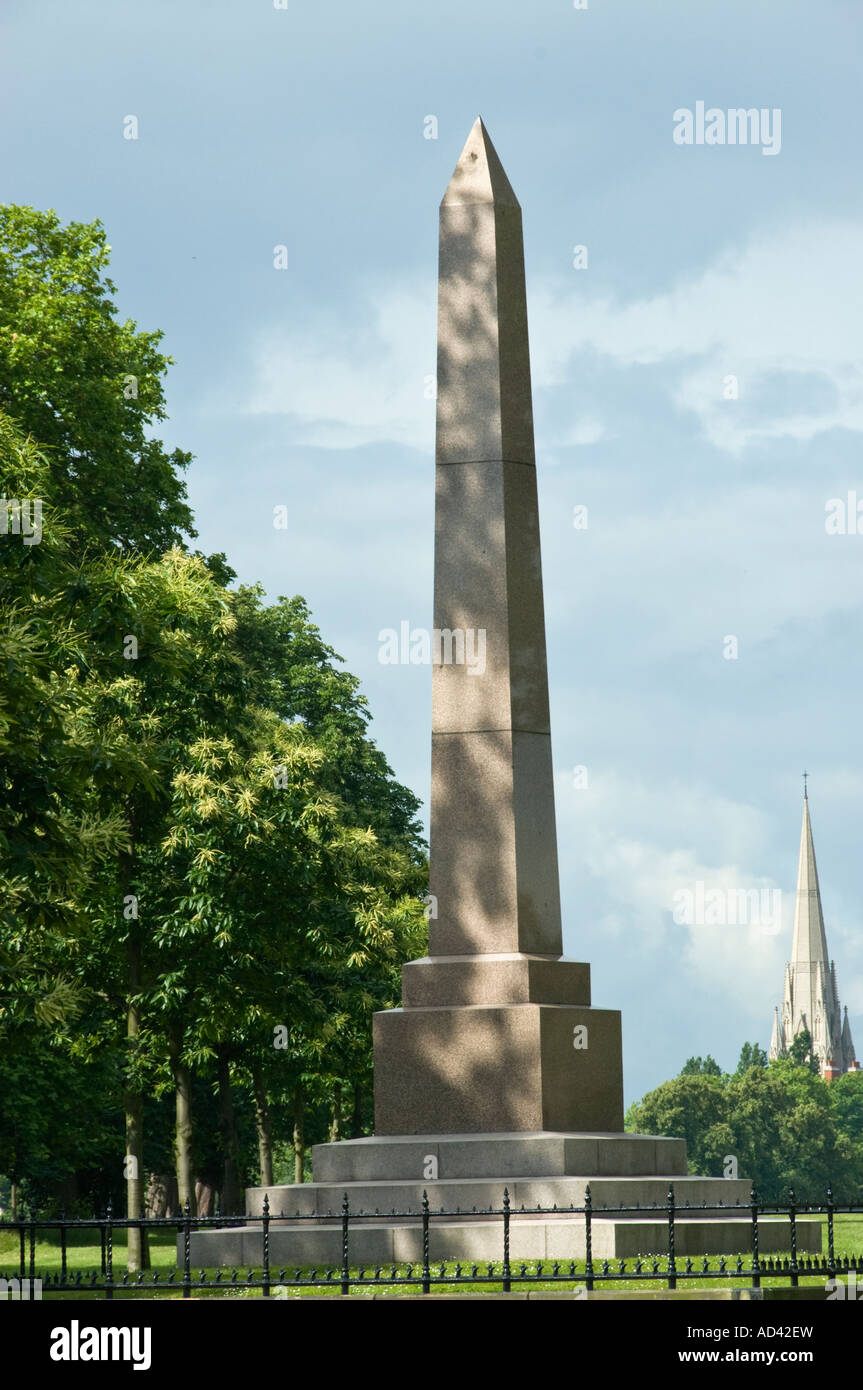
pixel 637 845
pixel 787 302
pixel 584 431
pixel 344 384
pixel 721 545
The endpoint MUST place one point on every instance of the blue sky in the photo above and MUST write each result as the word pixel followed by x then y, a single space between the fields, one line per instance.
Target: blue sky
pixel 304 127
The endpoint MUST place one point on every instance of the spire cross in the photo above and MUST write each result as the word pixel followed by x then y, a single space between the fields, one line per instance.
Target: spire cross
pixel 805 793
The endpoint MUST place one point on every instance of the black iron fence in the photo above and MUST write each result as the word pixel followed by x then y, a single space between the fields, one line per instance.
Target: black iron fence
pixel 662 1267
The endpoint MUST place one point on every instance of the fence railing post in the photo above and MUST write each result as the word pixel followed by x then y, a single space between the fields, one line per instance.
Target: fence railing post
pixel 63 1246
pixel 265 1228
pixel 588 1240
pixel 792 1212
pixel 507 1283
pixel 756 1266
pixel 187 1249
pixel 426 1274
pixel 109 1251
pixel 346 1220
pixel 672 1267
pixel 32 1245
pixel 22 1253
pixel 831 1250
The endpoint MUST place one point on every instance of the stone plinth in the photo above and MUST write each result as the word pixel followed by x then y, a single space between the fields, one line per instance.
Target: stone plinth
pixel 485 1068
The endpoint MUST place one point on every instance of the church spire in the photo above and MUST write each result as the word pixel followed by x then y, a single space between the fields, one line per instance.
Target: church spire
pixel 848 1045
pixel 810 999
pixel 809 947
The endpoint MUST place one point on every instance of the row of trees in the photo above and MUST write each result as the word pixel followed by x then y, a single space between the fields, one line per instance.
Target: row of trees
pixel 782 1123
pixel 208 875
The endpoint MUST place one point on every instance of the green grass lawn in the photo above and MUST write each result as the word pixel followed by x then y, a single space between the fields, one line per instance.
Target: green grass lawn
pixel 84 1256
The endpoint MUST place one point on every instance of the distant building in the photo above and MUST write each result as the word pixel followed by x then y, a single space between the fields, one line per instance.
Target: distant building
pixel 811 997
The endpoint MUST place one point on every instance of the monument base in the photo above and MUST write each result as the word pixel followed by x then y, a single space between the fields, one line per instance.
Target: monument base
pixel 385 1179
pixel 480 1069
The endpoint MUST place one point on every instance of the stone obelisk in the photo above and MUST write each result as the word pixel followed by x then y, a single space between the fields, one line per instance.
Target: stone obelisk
pixel 496 1032
pixel 496 1072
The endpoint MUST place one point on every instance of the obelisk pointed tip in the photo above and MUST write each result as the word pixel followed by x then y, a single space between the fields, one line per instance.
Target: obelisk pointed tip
pixel 479 176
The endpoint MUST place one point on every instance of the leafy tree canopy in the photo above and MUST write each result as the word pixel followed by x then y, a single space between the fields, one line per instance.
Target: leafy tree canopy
pixel 701 1066
pixel 86 386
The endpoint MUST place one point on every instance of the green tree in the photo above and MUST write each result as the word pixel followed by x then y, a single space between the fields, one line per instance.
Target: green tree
pixel 846 1103
pixel 119 664
pixel 698 1066
pixel 166 622
pixel 88 387
pixel 60 1119
pixel 298 918
pixel 777 1121
pixel 53 836
pixel 685 1108
pixel 751 1055
pixel 102 660
pixel 801 1054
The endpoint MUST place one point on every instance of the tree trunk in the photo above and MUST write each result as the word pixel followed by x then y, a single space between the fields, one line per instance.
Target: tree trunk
pixel 299 1135
pixel 264 1128
pixel 230 1143
pixel 137 1250
pixel 336 1114
pixel 67 1192
pixel 13 1197
pixel 204 1194
pixel 161 1198
pixel 183 1125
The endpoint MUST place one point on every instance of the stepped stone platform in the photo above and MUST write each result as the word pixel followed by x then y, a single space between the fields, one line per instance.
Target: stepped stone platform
pixel 384 1179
